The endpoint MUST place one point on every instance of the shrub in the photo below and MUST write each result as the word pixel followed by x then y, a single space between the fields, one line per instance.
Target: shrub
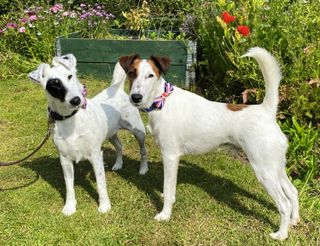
pixel 288 29
pixel 32 33
pixel 304 152
pixel 137 19
pixel 114 7
pixel 13 65
pixel 221 45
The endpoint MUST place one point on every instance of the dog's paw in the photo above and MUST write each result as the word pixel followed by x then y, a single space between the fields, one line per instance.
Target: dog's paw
pixel 69 209
pixel 117 166
pixel 163 216
pixel 294 221
pixel 103 208
pixel 143 169
pixel 279 235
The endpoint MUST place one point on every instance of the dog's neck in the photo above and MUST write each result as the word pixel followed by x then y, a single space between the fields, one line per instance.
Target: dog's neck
pixel 65 125
pixel 58 117
pixel 159 97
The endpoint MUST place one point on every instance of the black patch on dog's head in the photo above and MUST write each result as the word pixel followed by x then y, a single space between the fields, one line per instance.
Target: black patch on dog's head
pixel 56 89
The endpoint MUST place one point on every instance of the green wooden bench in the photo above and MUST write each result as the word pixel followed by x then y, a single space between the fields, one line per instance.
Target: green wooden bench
pixel 98 57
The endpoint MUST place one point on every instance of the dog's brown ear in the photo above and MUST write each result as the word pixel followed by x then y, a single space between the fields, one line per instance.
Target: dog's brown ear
pixel 162 63
pixel 127 61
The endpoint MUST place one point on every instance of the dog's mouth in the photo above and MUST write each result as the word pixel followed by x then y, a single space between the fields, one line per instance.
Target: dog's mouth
pixel 137 105
pixel 82 105
pixel 32 79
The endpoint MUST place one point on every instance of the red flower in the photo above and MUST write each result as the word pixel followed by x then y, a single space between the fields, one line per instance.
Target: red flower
pixel 244 30
pixel 227 18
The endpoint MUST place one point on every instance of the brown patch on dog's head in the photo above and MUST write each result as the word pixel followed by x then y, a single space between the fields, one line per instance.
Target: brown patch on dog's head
pixel 160 64
pixel 127 61
pixel 130 65
pixel 236 107
pixel 154 67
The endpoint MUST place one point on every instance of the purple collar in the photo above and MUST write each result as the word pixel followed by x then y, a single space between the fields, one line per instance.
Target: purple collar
pixel 158 103
pixel 84 94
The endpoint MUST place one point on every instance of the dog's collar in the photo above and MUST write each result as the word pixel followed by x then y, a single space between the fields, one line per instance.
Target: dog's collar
pixel 56 116
pixel 158 103
pixel 84 94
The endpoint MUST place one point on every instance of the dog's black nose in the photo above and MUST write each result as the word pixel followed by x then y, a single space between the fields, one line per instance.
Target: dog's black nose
pixel 75 101
pixel 136 98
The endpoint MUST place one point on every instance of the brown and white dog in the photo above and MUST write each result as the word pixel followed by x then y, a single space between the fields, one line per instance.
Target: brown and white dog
pixel 185 123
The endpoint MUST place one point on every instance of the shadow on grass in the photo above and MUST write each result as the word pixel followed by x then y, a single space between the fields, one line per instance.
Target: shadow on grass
pixel 26 184
pixel 50 170
pixel 219 188
pixel 223 190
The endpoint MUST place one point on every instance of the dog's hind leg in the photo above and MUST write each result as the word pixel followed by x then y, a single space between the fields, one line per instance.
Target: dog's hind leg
pixel 292 194
pixel 114 140
pixel 136 127
pixel 269 178
pixel 96 159
pixel 140 136
pixel 68 173
pixel 170 166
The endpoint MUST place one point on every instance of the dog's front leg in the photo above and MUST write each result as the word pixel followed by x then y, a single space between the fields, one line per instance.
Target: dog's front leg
pixel 96 160
pixel 170 166
pixel 68 173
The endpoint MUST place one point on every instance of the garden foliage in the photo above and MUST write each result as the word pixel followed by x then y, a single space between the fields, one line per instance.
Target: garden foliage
pixel 224 31
pixel 288 29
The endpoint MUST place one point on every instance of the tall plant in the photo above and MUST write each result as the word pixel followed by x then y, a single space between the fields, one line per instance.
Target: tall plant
pixel 32 32
pixel 288 29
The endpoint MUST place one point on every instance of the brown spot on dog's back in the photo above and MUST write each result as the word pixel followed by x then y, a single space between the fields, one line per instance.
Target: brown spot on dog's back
pixel 236 107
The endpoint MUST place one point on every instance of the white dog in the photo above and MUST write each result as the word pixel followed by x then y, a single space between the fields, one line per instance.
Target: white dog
pixel 82 125
pixel 184 123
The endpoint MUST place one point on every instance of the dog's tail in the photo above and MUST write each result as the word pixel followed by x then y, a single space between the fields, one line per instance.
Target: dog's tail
pixel 271 74
pixel 119 76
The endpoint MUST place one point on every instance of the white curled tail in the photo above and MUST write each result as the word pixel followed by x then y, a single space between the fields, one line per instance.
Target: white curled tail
pixel 119 76
pixel 271 74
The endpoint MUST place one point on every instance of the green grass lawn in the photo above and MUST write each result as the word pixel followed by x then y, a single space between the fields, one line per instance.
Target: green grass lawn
pixel 219 201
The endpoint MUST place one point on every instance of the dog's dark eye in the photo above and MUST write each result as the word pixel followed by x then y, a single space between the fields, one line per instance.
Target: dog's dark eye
pixel 150 75
pixel 69 77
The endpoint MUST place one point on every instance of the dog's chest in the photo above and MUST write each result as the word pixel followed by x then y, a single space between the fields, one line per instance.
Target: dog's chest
pixel 75 147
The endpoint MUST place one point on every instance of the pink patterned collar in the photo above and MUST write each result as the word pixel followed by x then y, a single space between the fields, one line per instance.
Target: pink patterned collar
pixel 158 103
